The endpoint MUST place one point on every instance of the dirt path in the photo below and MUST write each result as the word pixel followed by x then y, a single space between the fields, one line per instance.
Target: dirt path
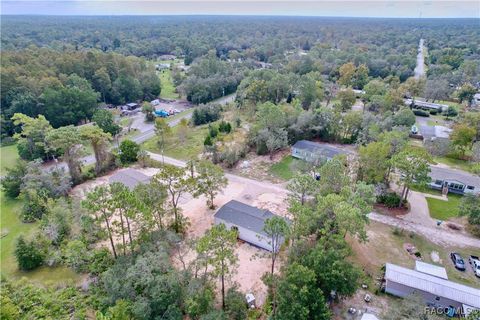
pixel 418 220
pixel 435 234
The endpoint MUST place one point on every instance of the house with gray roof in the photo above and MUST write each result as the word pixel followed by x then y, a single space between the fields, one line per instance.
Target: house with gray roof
pixel 248 221
pixel 130 178
pixel 436 291
pixel 313 151
pixel 435 132
pixel 455 181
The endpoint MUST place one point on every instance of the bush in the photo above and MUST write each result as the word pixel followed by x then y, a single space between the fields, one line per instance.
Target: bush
pixel 206 113
pixel 213 131
pixel 28 255
pixel 128 151
pixel 208 141
pixel 100 261
pixel 12 181
pixel 420 113
pixel 450 112
pixel 225 127
pixel 433 112
pixel 77 255
pixel 235 306
pixel 389 199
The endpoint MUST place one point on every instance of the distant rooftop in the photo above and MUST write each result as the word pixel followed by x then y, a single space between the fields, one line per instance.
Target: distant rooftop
pixel 129 177
pixel 321 149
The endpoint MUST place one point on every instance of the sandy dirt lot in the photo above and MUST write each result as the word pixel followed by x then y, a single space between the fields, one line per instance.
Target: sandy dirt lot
pixel 252 261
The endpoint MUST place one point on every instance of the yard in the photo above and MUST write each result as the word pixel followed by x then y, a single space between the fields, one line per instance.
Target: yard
pixel 454 163
pixel 168 88
pixel 8 157
pixel 284 169
pixel 191 146
pixel 11 228
pixel 443 210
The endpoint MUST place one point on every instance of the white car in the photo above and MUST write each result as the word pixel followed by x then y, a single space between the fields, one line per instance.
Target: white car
pixel 475 263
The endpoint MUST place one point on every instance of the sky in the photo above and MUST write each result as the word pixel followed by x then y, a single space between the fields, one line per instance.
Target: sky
pixel 334 8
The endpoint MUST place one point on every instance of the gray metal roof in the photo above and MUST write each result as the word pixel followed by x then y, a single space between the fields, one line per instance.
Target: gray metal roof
pixel 437 173
pixel 243 215
pixel 321 149
pixel 431 269
pixel 434 285
pixel 129 177
pixel 429 132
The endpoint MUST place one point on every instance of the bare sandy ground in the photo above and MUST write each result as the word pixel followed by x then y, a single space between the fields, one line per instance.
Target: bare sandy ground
pixel 253 262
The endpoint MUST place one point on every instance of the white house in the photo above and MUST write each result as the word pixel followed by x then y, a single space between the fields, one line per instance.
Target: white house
pixel 248 221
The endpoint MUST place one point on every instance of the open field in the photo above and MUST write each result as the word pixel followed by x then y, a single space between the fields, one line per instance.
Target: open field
pixel 8 157
pixel 190 147
pixel 443 210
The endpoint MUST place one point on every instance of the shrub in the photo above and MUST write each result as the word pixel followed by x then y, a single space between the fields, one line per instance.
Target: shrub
pixel 77 255
pixel 100 261
pixel 12 181
pixel 206 113
pixel 420 113
pixel 225 127
pixel 389 199
pixel 208 141
pixel 28 255
pixel 128 151
pixel 433 112
pixel 235 306
pixel 213 131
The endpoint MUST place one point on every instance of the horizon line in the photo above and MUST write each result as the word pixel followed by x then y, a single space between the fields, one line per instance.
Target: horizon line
pixel 230 15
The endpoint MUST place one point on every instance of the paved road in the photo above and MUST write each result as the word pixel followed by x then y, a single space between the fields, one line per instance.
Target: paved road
pixel 420 68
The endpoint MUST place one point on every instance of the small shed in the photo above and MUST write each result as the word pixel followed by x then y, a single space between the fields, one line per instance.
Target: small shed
pixel 435 132
pixel 130 178
pixel 248 221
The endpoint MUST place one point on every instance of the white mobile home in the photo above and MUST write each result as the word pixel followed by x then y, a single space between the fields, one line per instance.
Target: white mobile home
pixel 436 291
pixel 455 181
pixel 247 220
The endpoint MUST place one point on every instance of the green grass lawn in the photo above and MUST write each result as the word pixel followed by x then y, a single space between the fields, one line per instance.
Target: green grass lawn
pixel 175 148
pixel 168 89
pixel 8 157
pixel 454 163
pixel 442 210
pixel 284 169
pixel 11 228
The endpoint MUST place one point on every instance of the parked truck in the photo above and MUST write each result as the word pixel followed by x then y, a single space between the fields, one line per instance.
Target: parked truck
pixel 475 263
pixel 161 113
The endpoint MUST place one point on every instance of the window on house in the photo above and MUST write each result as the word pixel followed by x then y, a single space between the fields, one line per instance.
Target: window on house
pixel 470 187
pixel 439 182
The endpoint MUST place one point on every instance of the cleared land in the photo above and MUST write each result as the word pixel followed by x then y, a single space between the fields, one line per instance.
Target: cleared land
pixel 176 147
pixel 284 169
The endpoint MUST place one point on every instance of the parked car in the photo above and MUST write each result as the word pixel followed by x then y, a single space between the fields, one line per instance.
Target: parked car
pixel 475 263
pixel 457 261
